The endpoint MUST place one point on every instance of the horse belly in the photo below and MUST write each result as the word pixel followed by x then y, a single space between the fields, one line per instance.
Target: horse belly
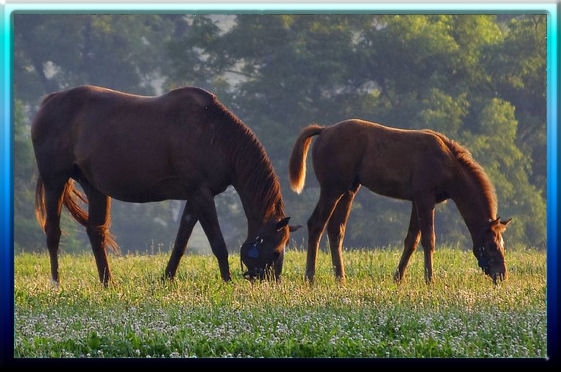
pixel 386 179
pixel 131 175
pixel 388 188
pixel 164 189
pixel 130 185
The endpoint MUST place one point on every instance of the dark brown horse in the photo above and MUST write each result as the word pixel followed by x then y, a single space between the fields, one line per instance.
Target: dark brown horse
pixel 182 145
pixel 418 165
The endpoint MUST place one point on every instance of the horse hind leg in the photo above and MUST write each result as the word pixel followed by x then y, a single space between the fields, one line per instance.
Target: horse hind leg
pixel 410 244
pixel 99 206
pixel 316 225
pixel 53 205
pixel 336 227
pixel 425 213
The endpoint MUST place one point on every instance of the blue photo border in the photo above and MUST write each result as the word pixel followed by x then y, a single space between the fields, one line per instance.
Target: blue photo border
pixel 6 110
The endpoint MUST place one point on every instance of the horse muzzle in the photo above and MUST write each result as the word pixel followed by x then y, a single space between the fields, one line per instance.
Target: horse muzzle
pixel 253 274
pixel 496 270
pixel 259 273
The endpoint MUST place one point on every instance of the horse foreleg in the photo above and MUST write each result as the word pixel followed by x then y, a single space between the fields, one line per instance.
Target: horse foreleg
pixel 277 266
pixel 205 211
pixel 97 228
pixel 336 232
pixel 410 244
pixel 425 213
pixel 188 222
pixel 316 226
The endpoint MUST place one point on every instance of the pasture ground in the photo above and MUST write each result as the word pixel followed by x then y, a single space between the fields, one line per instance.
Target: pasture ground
pixel 462 314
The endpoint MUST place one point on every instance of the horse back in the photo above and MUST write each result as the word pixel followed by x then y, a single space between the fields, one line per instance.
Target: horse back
pixel 69 111
pixel 115 138
pixel 389 161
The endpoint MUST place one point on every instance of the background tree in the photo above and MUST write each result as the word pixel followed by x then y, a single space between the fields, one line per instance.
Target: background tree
pixel 479 79
pixel 123 52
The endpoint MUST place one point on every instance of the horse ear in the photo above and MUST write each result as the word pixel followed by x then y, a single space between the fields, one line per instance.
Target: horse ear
pixel 282 223
pixel 294 228
pixel 506 222
pixel 493 222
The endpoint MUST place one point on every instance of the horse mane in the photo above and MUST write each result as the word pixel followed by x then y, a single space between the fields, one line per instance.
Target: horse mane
pixel 473 168
pixel 255 171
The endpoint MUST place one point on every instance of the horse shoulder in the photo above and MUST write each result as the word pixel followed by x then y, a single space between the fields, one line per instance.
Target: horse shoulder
pixel 442 155
pixel 191 96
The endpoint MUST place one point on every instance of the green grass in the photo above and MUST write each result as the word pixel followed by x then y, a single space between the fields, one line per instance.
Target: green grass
pixel 462 314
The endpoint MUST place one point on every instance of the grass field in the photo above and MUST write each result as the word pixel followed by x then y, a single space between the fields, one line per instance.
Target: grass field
pixel 462 314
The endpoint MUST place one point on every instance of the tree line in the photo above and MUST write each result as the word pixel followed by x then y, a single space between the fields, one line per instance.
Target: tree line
pixel 478 79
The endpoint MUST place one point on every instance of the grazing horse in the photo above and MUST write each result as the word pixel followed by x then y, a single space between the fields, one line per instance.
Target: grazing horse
pixel 182 145
pixel 422 166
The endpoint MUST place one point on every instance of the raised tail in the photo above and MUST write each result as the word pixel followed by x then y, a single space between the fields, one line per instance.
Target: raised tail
pixel 297 163
pixel 71 198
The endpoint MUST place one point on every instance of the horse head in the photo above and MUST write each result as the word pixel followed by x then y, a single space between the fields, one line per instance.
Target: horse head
pixel 490 250
pixel 265 250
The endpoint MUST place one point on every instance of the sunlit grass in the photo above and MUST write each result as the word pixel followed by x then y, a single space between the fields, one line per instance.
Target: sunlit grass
pixel 462 314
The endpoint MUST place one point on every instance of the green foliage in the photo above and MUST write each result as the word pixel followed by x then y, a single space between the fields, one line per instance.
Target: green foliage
pixel 53 52
pixel 509 167
pixel 191 63
pixel 443 112
pixel 60 51
pixel 27 234
pixel 479 79
pixel 460 315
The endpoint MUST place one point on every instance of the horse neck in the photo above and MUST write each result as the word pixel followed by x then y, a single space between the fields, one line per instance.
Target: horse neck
pixel 253 176
pixel 474 206
pixel 260 195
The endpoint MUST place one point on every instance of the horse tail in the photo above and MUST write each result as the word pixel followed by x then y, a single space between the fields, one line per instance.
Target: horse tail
pixel 71 198
pixel 40 208
pixel 297 163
